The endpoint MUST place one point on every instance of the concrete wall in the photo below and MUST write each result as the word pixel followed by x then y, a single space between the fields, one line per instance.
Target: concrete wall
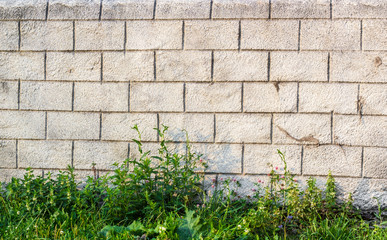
pixel 244 77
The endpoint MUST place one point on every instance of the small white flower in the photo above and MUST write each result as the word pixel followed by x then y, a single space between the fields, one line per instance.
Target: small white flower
pixel 61 232
pixel 247 230
pixel 239 226
pixel 18 213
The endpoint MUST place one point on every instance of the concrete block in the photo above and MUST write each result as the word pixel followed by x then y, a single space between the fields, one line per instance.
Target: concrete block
pixel 240 66
pixel 221 158
pixel 118 126
pixel 74 9
pixel 23 9
pixel 359 8
pixel 99 35
pixel 374 34
pixel 7 154
pixel 330 35
pixel 358 67
pixel 243 128
pixel 360 130
pixel 8 95
pixel 214 97
pixel 22 125
pixel 45 95
pixel 128 66
pixel 9 35
pixel 44 35
pixel 26 66
pixel 328 97
pixel 200 127
pixel 182 9
pixel 73 125
pixel 300 9
pixel 375 162
pixel 269 35
pixel 270 97
pixel 373 98
pixel 261 159
pixel 85 66
pixel 127 9
pixel 206 34
pixel 301 128
pixel 298 66
pixel 103 154
pixel 6 175
pixel 240 9
pixel 101 96
pixel 341 161
pixel 154 35
pixel 153 97
pixel 183 66
pixel 44 154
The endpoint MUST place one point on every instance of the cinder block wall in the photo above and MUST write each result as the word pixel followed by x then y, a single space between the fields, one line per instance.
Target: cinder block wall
pixel 244 77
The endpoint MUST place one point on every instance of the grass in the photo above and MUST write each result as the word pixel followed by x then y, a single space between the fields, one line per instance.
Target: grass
pixel 163 197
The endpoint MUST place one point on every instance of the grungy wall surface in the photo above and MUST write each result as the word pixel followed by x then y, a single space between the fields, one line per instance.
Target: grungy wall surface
pixel 243 77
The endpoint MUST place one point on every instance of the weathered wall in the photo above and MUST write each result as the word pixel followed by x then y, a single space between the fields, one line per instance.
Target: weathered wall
pixel 243 77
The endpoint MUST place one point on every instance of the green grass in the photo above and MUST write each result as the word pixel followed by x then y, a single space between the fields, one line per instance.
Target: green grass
pixel 162 197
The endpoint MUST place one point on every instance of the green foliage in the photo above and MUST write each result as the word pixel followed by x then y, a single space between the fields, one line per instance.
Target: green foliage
pixel 162 196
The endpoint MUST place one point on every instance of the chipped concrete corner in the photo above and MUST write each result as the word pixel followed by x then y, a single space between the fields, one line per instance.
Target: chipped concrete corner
pixel 243 77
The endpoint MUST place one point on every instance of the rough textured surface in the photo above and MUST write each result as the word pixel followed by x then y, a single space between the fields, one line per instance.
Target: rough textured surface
pixel 375 162
pixel 243 77
pixel 24 65
pixel 73 66
pixel 301 128
pixel 9 35
pixel 300 8
pixel 44 154
pixel 240 66
pixel 374 34
pixel 99 35
pixel 359 67
pixel 341 161
pixel 39 35
pixel 328 97
pixel 70 125
pixel 118 126
pixel 214 97
pixel 330 35
pixel 182 9
pixel 102 154
pixel 8 95
pixel 240 9
pixel 272 35
pixel 360 130
pixel 255 128
pixel 23 9
pixel 22 124
pixel 270 97
pixel 101 97
pixel 74 9
pixel 177 66
pixel 128 66
pixel 127 9
pixel 8 154
pixel 204 34
pixel 154 35
pixel 298 66
pixel 164 97
pixel 45 95
pixel 199 127
pixel 373 99
pixel 261 159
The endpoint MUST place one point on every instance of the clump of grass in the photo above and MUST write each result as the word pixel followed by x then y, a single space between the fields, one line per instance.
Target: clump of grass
pixel 163 197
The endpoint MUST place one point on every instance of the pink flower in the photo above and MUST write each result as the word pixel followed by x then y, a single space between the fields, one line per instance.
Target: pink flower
pixel 221 179
pixel 253 190
pixel 234 179
pixel 212 186
pixel 282 176
pixel 213 180
pixel 276 168
pixel 201 160
pixel 259 180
